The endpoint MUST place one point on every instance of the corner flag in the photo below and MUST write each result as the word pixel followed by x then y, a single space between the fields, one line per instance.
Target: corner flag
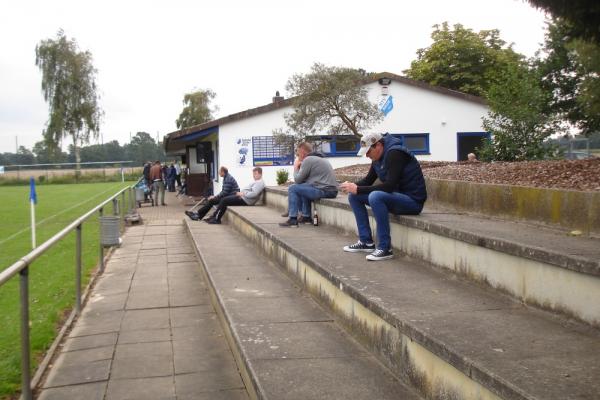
pixel 33 201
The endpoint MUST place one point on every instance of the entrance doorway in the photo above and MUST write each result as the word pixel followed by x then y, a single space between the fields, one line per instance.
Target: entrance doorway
pixel 468 142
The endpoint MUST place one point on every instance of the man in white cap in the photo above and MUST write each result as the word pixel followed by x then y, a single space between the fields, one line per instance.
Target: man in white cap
pixel 401 191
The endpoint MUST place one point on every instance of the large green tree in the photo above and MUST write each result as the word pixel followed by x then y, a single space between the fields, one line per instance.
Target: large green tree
pixel 330 100
pixel 69 87
pixel 143 148
pixel 45 154
pixel 196 108
pixel 570 70
pixel 519 121
pixel 463 60
pixel 583 16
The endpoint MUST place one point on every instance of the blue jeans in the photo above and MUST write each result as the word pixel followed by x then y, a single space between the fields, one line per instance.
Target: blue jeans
pixel 301 195
pixel 382 203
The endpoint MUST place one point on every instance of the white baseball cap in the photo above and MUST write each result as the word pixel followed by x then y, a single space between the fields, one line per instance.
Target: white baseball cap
pixel 368 140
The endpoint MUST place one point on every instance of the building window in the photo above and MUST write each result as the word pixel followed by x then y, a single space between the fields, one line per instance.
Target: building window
pixel 417 143
pixel 336 146
pixel 267 151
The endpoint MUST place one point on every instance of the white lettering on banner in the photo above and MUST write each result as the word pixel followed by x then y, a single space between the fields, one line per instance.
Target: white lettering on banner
pixel 1 169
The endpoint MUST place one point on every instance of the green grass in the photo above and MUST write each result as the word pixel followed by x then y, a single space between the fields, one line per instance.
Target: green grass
pixel 52 276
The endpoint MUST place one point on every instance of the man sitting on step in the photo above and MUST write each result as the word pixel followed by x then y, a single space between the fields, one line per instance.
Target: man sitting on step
pixel 230 186
pixel 401 191
pixel 248 196
pixel 314 179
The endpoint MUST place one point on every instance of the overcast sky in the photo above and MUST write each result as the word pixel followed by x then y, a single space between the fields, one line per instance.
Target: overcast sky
pixel 149 53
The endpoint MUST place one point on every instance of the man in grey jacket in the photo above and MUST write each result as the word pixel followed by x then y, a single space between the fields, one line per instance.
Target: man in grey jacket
pixel 248 196
pixel 314 179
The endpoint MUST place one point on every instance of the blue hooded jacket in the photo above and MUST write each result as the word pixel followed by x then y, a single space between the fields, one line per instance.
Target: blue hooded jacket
pixel 412 182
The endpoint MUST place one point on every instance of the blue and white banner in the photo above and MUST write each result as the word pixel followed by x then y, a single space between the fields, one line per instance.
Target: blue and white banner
pixel 386 104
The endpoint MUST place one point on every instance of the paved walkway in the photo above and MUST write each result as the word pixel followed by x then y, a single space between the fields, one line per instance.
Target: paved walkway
pixel 148 330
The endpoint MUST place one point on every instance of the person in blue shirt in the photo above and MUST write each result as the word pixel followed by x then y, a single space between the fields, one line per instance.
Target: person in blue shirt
pixel 401 191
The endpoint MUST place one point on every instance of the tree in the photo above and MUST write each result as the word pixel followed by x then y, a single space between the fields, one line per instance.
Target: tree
pixel 69 87
pixel 45 154
pixel 463 60
pixel 24 156
pixel 570 71
pixel 583 15
pixel 196 108
pixel 330 100
pixel 518 119
pixel 143 148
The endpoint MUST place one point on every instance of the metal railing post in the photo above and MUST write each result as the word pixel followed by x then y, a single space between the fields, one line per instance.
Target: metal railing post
pixel 25 350
pixel 123 205
pixel 78 270
pixel 100 211
pixel 115 203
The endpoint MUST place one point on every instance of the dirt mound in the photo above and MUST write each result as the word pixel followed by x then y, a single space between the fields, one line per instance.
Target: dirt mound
pixel 561 174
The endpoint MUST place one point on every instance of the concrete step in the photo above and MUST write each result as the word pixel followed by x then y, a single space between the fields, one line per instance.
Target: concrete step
pixel 285 344
pixel 448 337
pixel 539 266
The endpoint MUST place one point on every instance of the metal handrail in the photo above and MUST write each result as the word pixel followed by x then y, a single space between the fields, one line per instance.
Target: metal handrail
pixel 21 267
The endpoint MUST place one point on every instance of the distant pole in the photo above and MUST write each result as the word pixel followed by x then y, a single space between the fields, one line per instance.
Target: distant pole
pixel 129 136
pixel 157 137
pixel 16 144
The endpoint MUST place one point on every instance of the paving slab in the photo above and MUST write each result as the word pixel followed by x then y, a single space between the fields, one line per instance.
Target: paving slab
pixel 88 391
pixel 147 322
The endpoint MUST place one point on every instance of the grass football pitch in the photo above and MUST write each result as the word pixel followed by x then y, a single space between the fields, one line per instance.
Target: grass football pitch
pixel 52 276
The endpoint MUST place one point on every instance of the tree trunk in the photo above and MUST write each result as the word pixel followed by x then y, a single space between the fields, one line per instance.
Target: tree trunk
pixel 77 150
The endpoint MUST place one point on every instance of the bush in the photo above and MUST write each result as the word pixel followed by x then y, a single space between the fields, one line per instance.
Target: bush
pixel 282 176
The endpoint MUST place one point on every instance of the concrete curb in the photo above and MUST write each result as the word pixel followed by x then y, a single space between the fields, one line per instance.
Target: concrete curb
pixel 247 373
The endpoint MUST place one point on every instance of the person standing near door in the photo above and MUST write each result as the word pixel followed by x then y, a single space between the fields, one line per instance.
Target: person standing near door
pixel 158 183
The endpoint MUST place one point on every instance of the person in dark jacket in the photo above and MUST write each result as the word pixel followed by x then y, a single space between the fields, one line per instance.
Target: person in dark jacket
pixel 171 176
pixel 401 191
pixel 229 187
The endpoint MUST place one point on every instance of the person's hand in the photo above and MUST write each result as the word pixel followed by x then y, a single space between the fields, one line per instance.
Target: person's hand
pixel 297 163
pixel 239 194
pixel 349 187
pixel 211 197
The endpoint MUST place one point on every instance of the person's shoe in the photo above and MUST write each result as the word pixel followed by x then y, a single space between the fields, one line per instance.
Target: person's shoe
pixel 304 220
pixel 379 255
pixel 360 246
pixel 214 222
pixel 209 218
pixel 194 217
pixel 290 223
pixel 285 214
pixel 189 213
pixel 164 204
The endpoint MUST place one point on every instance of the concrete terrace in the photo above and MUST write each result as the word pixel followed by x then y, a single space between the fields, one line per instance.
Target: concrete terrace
pixel 148 330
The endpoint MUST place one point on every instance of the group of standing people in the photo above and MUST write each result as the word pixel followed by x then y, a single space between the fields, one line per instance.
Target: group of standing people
pixel 162 177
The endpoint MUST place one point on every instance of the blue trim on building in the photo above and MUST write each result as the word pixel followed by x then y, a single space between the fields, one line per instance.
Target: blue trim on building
pixel 199 134
pixel 420 151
